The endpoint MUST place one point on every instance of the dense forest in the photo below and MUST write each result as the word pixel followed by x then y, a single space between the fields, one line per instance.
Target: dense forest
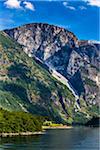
pixel 19 122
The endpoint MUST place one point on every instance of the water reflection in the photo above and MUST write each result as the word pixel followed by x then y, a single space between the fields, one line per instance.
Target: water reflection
pixel 78 138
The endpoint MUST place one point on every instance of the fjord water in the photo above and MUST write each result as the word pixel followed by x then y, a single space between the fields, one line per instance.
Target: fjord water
pixel 78 138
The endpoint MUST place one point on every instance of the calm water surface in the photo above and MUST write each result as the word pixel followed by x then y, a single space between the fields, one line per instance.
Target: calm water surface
pixel 78 138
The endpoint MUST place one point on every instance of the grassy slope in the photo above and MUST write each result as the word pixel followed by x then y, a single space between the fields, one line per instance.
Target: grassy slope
pixel 24 85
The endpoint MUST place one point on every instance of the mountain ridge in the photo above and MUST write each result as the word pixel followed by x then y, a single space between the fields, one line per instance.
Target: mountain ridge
pixel 58 48
pixel 26 86
pixel 56 26
pixel 61 52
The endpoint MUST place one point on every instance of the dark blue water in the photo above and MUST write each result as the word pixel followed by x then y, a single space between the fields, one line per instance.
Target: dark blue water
pixel 78 138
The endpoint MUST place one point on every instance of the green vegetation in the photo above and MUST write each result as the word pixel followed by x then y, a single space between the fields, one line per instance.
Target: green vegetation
pixel 80 118
pixel 94 110
pixel 15 122
pixel 50 124
pixel 90 82
pixel 26 86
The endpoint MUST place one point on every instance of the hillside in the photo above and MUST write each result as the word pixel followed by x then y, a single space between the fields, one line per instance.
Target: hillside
pixel 61 50
pixel 16 122
pixel 26 84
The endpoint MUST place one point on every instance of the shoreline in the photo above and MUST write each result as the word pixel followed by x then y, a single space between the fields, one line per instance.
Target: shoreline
pixel 21 134
pixel 34 133
pixel 57 127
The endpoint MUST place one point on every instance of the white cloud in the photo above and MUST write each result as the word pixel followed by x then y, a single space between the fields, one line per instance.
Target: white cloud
pixel 13 4
pixel 82 8
pixel 93 2
pixel 68 6
pixel 29 5
pixel 71 7
pixel 65 3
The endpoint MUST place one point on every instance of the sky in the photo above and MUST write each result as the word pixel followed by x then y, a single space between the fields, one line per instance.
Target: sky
pixel 82 17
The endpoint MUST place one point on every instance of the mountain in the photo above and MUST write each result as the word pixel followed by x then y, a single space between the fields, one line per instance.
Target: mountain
pixel 46 70
pixel 61 50
pixel 42 40
pixel 26 86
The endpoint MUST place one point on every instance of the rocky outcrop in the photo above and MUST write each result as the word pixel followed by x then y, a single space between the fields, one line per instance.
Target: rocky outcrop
pixel 83 71
pixel 42 40
pixel 60 49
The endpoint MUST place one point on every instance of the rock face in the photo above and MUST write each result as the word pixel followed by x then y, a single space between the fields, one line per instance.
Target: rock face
pixel 61 50
pixel 43 40
pixel 83 70
pixel 26 86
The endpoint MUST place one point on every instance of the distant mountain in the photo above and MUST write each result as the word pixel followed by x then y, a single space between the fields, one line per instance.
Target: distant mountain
pixel 57 77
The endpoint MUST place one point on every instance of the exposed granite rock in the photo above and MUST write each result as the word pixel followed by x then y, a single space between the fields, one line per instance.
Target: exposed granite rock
pixel 61 50
pixel 84 66
pixel 43 40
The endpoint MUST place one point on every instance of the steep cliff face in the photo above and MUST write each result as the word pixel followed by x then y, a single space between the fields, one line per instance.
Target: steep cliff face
pixel 26 86
pixel 60 49
pixel 83 71
pixel 44 40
